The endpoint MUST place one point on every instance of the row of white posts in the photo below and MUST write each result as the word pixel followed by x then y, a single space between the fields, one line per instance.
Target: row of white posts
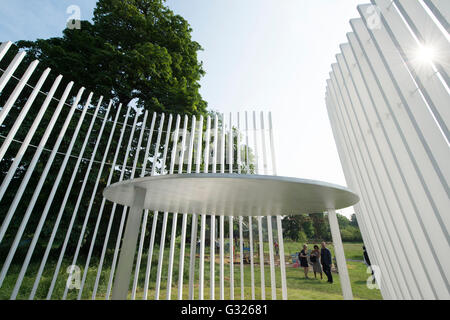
pixel 60 151
pixel 390 113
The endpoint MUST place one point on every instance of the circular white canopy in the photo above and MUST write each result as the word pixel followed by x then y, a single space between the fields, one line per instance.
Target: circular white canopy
pixel 232 194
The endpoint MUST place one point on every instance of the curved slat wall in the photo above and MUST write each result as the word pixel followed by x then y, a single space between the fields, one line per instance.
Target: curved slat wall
pixel 390 114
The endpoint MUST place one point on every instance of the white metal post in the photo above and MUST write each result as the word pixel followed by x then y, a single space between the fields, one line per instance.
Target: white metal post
pixel 340 257
pixel 128 250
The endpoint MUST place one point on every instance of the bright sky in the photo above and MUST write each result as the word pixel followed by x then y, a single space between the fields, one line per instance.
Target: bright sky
pixel 263 55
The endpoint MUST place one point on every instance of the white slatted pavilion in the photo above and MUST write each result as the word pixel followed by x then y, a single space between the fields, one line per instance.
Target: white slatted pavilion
pixel 79 244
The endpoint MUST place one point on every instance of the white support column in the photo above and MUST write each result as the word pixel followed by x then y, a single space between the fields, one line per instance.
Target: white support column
pixel 340 256
pixel 128 249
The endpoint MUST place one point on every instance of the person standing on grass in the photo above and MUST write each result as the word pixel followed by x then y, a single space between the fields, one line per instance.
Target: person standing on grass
pixel 325 258
pixel 303 257
pixel 275 244
pixel 314 257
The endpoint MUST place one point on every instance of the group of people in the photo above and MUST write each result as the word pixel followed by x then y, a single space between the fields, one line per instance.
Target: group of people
pixel 321 261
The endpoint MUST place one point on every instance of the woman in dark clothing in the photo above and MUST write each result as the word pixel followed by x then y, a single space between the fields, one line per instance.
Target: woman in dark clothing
pixel 303 257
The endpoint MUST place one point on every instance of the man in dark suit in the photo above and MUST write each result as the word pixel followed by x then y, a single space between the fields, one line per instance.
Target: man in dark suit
pixel 325 258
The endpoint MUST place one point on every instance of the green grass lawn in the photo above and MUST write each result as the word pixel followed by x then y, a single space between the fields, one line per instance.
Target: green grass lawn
pixel 299 288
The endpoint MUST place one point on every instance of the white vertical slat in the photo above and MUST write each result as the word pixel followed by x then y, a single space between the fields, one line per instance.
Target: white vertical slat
pixel 269 218
pixel 145 217
pixel 212 274
pixel 441 9
pixel 194 221
pixel 184 221
pixel 250 227
pixel 195 216
pixel 221 218
pixel 6 76
pixel 26 108
pixel 155 214
pixel 222 271
pixel 175 214
pixel 136 158
pixel 203 216
pixel 150 255
pixel 241 257
pixel 165 217
pixel 279 223
pixel 230 218
pixel 17 90
pixel 4 47
pixel 260 235
pixel 241 244
pixel 417 169
pixel 174 217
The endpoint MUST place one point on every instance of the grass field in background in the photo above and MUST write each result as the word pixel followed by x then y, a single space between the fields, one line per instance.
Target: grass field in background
pixel 299 288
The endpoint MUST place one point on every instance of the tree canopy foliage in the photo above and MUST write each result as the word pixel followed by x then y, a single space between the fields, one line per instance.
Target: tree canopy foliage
pixel 316 227
pixel 133 49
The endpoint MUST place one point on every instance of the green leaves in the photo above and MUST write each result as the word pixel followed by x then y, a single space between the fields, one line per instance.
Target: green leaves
pixel 134 49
